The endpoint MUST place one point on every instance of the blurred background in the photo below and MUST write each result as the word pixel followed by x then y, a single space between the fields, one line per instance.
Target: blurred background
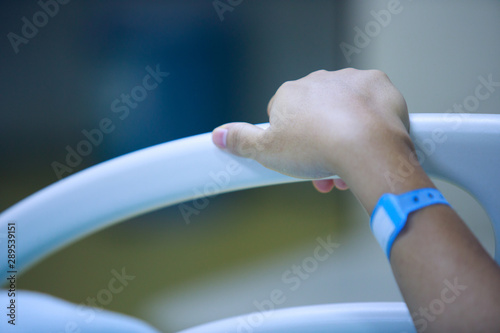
pixel 61 77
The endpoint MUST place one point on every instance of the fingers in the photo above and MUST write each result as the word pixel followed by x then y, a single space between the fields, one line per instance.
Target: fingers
pixel 241 139
pixel 326 185
pixel 323 185
pixel 340 184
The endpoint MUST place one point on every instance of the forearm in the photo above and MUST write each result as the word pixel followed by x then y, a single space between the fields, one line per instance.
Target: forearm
pixel 447 279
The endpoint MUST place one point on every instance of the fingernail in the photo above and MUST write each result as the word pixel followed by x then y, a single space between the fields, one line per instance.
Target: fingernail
pixel 341 183
pixel 219 137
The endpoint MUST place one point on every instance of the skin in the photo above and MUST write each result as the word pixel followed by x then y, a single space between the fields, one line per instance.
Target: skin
pixel 354 124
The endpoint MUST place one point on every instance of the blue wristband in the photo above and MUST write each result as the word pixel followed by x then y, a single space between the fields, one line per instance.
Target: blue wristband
pixel 391 212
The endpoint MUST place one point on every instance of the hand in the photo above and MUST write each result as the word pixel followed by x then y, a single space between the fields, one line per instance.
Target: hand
pixel 355 124
pixel 352 123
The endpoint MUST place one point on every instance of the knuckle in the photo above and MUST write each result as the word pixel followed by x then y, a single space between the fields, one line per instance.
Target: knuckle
pixel 236 139
pixel 349 70
pixel 286 85
pixel 319 73
pixel 286 88
pixel 240 143
pixel 377 73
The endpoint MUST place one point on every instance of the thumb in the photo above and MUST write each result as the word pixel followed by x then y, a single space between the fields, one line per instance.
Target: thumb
pixel 241 139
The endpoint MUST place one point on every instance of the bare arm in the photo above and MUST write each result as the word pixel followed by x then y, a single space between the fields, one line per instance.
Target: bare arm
pixel 447 279
pixel 355 124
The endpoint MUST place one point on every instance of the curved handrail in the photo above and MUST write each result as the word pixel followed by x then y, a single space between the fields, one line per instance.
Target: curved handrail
pixel 461 150
pixel 327 318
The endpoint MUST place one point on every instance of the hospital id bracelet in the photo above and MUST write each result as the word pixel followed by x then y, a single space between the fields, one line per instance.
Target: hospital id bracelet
pixel 391 212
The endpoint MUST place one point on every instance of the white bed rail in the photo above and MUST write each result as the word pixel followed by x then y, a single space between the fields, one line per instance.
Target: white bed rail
pixel 461 148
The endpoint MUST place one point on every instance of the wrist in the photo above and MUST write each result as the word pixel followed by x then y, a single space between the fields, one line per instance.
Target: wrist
pixel 393 169
pixel 391 213
pixel 372 192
